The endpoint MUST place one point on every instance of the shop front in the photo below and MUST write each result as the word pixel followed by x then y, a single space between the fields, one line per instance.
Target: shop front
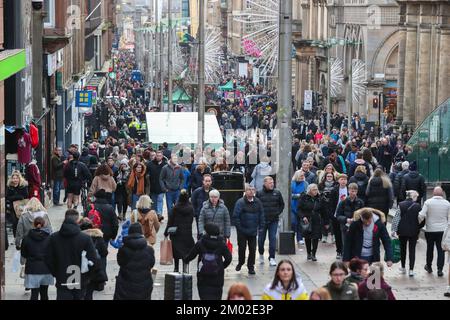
pixel 390 99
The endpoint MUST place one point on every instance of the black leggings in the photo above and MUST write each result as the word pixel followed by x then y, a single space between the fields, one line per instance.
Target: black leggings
pixel 412 250
pixel 122 207
pixel 42 291
pixel 311 245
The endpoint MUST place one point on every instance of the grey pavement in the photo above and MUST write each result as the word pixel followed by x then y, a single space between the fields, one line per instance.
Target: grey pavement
pixel 314 274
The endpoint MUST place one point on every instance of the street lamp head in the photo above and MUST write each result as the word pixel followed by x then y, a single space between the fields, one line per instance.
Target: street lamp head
pixel 37 4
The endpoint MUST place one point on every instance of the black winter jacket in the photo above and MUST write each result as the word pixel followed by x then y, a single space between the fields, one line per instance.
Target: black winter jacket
pixel 414 181
pixel 398 184
pixel 272 201
pixel 346 209
pixel 216 245
pixel 309 207
pixel 33 249
pixel 15 194
pixel 378 197
pixel 409 225
pixel 182 241
pixel 76 172
pixel 362 181
pixel 248 216
pixel 154 171
pixel 64 250
pixel 99 276
pixel 355 236
pixel 199 196
pixel 110 223
pixel 136 259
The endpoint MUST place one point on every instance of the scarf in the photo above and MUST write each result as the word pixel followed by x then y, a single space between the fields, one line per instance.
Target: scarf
pixel 140 179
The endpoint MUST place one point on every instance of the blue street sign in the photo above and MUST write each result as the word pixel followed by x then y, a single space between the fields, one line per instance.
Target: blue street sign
pixel 83 99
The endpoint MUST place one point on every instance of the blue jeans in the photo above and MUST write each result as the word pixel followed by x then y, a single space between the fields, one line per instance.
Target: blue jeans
pixel 57 184
pixel 296 226
pixel 272 228
pixel 134 200
pixel 157 199
pixel 171 200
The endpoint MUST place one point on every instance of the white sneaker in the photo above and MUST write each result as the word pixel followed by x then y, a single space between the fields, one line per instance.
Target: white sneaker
pixel 301 243
pixel 402 270
pixel 324 239
pixel 261 259
pixel 272 262
pixel 411 273
pixel 333 240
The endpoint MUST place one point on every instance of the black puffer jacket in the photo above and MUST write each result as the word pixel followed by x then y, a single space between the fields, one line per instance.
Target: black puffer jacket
pixel 346 209
pixel 414 181
pixel 99 276
pixel 309 207
pixel 136 259
pixel 154 171
pixel 272 201
pixel 378 197
pixel 110 223
pixel 216 245
pixel 398 184
pixel 409 225
pixel 362 181
pixel 65 249
pixel 34 247
pixel 182 218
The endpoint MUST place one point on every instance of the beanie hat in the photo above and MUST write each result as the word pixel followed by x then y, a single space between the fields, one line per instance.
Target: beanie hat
pixel 212 229
pixel 124 161
pixel 100 194
pixel 413 166
pixel 135 228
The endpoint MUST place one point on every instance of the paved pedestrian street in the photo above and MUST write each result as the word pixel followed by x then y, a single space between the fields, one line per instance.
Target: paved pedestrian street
pixel 314 274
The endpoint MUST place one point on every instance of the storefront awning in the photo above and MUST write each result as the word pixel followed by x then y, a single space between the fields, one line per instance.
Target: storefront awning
pixel 11 62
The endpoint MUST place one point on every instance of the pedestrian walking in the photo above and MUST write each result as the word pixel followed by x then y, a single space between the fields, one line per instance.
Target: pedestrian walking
pixel 200 195
pixel 363 287
pixel 413 180
pixel 109 223
pixel 66 250
pixel 104 180
pixel 156 190
pixel 171 180
pixel 362 180
pixel 77 175
pixel 121 177
pixel 338 287
pixel 379 192
pixel 136 183
pixel 364 235
pixel 34 246
pixel 262 170
pixel 286 284
pixel 248 217
pixel 17 189
pixel 57 174
pixel 398 181
pixel 31 211
pixel 215 211
pixel 147 218
pixel 338 194
pixel 312 216
pixel 135 259
pixel 298 186
pixel 406 226
pixel 436 213
pixel 273 204
pixel 326 187
pixel 214 258
pixel 98 278
pixel 181 222
pixel 359 271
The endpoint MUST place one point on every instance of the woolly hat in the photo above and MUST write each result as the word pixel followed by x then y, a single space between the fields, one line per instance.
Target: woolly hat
pixel 413 166
pixel 100 194
pixel 135 228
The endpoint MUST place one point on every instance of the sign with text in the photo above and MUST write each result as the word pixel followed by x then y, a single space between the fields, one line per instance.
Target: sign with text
pixel 83 99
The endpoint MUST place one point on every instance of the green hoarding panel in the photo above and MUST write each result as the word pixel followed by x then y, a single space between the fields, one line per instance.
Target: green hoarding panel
pixel 12 63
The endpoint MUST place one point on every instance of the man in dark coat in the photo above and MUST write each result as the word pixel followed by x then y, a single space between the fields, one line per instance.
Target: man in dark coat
pixel 136 259
pixel 211 248
pixel 248 218
pixel 57 174
pixel 413 180
pixel 399 180
pixel 64 258
pixel 200 195
pixel 273 204
pixel 156 192
pixel 385 155
pixel 364 236
pixel 110 222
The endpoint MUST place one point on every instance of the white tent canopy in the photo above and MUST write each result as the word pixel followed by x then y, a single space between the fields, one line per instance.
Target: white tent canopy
pixel 181 127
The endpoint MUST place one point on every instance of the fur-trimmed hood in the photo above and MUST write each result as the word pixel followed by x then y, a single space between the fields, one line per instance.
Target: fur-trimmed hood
pixel 94 233
pixel 357 214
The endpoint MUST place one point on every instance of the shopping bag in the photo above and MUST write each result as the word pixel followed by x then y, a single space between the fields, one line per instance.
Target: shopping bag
pixel 19 205
pixel 16 262
pixel 396 255
pixel 230 246
pixel 166 255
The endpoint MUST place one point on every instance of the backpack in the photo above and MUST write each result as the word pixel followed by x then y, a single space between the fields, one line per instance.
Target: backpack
pixel 208 264
pixel 95 217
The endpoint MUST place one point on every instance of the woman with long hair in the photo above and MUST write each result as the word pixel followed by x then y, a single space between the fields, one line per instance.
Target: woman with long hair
pixel 326 186
pixel 103 180
pixel 136 183
pixel 286 284
pixel 147 217
pixel 338 287
pixel 17 189
pixel 379 192
pixel 298 186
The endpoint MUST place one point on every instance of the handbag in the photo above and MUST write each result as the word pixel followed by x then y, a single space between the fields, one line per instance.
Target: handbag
pixel 172 230
pixel 166 255
pixel 230 246
pixel 396 253
pixel 306 228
